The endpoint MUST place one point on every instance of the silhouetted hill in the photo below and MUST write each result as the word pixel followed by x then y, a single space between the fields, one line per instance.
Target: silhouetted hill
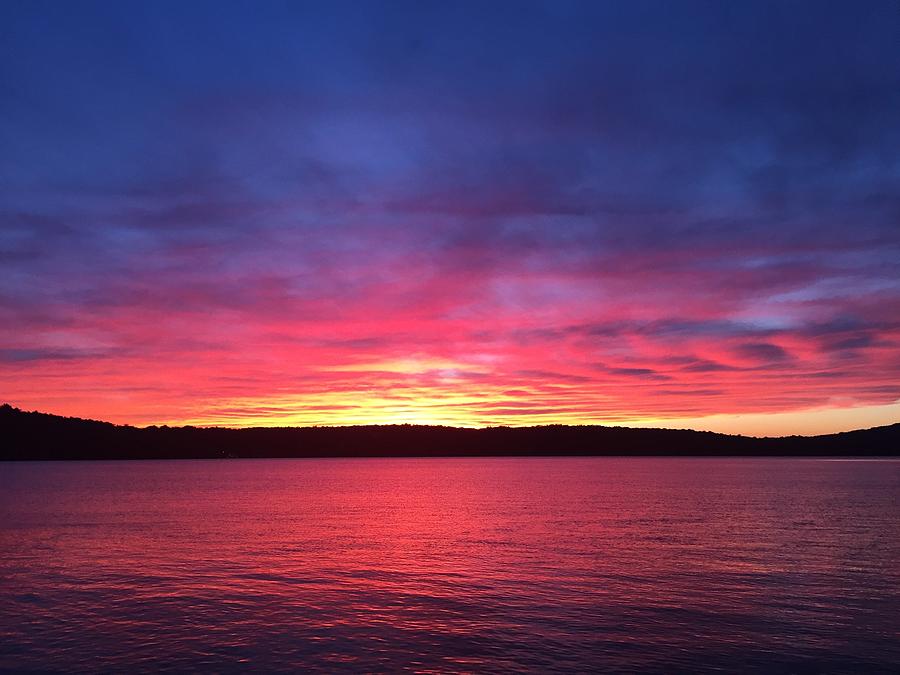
pixel 34 435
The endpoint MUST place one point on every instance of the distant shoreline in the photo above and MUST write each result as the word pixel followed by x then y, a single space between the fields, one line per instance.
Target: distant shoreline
pixel 35 436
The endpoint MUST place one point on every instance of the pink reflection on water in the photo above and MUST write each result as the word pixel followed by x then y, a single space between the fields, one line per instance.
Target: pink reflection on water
pixel 449 564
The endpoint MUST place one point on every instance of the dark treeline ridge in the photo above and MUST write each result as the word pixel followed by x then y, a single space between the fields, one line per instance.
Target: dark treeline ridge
pixel 39 436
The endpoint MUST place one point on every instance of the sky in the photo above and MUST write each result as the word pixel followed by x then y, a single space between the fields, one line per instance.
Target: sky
pixel 262 213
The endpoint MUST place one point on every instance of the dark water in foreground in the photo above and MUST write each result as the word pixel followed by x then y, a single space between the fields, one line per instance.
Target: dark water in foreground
pixel 451 564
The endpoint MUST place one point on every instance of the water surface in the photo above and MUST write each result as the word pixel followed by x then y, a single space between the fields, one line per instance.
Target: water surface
pixel 451 565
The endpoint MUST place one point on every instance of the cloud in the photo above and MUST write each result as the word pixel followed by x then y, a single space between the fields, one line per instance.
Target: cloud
pixel 761 351
pixel 704 202
pixel 13 355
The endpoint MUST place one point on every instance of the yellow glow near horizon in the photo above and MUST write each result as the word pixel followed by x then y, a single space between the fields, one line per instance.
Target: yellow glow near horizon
pixel 462 410
pixel 812 422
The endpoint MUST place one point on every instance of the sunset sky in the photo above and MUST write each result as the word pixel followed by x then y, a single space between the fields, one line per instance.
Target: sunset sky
pixel 679 214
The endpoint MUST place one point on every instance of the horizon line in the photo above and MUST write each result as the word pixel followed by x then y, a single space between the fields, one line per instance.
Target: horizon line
pixel 439 426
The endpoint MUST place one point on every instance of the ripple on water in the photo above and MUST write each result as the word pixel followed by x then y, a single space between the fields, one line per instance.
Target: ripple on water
pixel 451 565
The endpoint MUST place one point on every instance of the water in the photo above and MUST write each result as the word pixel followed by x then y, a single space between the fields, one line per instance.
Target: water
pixel 451 565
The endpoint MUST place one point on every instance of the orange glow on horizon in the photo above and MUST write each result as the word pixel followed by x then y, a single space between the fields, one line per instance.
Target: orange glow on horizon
pixel 474 409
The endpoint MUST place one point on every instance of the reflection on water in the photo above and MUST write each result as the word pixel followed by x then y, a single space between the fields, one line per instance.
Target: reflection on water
pixel 451 564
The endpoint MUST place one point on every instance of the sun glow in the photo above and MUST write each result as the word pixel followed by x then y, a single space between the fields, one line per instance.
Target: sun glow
pixel 463 411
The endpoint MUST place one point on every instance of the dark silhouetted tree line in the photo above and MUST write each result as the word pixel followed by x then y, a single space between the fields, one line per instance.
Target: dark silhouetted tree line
pixel 39 436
